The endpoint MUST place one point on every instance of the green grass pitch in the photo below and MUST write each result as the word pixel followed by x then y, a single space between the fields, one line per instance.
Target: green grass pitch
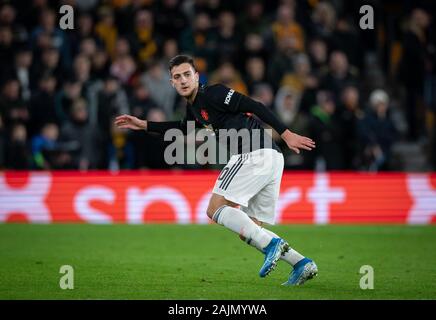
pixel 210 262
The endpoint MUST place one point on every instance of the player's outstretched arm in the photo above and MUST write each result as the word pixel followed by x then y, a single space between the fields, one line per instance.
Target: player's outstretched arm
pixel 126 121
pixel 296 142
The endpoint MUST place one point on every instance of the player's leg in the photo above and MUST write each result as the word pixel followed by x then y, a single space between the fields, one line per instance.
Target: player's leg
pixel 237 183
pixel 226 213
pixel 262 207
pixel 291 256
pixel 303 268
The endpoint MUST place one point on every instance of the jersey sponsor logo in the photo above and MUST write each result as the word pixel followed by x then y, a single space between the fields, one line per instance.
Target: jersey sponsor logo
pixel 204 114
pixel 229 96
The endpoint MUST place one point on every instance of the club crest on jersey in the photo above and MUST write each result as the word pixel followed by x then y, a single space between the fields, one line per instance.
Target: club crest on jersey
pixel 204 114
pixel 208 127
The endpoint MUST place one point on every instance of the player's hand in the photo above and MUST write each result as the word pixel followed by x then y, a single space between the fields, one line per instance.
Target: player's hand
pixel 126 121
pixel 296 142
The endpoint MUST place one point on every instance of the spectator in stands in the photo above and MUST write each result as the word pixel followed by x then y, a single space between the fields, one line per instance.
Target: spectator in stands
pixel 227 37
pixel 44 145
pixel 282 61
pixel 170 49
pixel 156 79
pixel 122 48
pixel 169 18
pixel 318 56
pixel 29 12
pixel 253 19
pixel 255 73
pixel 106 30
pixel 263 93
pixel 72 90
pixel 326 130
pixel 85 30
pixel 120 150
pixel 144 141
pixel 112 101
pixel 49 153
pixel 254 47
pixel 141 101
pixel 85 135
pixel 12 107
pixel 82 73
pixel 377 132
pixel 42 104
pixel 21 70
pixel 350 114
pixel 339 74
pixel 210 7
pixel 88 47
pixel 199 40
pixel 100 65
pixel 285 27
pixel 8 16
pixel 346 39
pixel 49 64
pixel 323 21
pixel 144 38
pixel 6 48
pixel 301 79
pixel 17 149
pixel 287 108
pixel 47 34
pixel 412 70
pixel 227 75
pixel 123 65
pixel 2 144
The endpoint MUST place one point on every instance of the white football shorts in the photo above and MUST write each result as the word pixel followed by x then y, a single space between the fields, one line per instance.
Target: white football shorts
pixel 252 180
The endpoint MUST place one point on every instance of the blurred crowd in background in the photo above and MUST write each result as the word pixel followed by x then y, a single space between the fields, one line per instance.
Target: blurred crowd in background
pixel 367 97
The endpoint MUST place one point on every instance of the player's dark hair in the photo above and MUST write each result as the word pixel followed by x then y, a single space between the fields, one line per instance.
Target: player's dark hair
pixel 179 59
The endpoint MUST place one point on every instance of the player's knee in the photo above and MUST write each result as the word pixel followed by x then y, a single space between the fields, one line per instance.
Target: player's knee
pixel 211 210
pixel 216 202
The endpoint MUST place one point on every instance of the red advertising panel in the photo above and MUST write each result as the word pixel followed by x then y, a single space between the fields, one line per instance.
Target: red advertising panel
pixel 182 197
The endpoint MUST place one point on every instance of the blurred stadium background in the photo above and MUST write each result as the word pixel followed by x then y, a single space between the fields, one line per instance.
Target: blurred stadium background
pixel 367 97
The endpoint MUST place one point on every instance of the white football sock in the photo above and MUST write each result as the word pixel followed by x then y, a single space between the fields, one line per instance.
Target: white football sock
pixel 291 257
pixel 238 221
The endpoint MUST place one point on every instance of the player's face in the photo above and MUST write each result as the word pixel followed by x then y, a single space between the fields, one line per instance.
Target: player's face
pixel 185 79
